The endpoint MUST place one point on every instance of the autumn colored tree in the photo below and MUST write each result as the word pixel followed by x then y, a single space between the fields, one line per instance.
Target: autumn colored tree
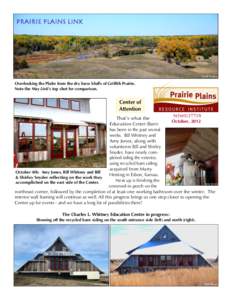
pixel 176 49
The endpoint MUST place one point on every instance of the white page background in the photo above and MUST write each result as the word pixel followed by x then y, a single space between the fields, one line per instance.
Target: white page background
pixel 217 211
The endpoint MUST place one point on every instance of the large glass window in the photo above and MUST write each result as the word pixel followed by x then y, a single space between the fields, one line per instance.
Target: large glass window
pixel 75 105
pixel 25 137
pixel 64 103
pixel 40 137
pixel 52 102
pixel 91 131
pixel 32 137
pixel 82 131
pixel 37 101
pixel 87 137
pixel 22 100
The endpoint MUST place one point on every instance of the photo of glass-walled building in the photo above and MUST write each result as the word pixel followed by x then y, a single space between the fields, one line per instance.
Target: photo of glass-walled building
pixel 58 128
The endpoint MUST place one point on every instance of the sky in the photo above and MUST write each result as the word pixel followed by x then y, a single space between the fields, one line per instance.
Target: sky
pixel 117 24
pixel 91 241
pixel 127 237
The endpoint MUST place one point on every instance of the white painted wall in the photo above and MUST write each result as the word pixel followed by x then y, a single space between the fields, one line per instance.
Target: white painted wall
pixel 91 275
pixel 97 113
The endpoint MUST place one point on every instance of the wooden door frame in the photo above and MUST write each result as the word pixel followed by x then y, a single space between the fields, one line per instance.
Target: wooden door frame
pixel 66 142
pixel 52 144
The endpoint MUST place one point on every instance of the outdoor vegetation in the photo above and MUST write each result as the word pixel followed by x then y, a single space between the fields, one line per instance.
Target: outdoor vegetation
pixel 94 161
pixel 204 276
pixel 34 50
pixel 55 280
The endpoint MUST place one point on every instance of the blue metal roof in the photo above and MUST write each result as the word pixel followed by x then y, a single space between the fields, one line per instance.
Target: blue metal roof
pixel 163 236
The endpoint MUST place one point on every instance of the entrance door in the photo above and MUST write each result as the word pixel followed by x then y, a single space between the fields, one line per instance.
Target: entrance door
pixel 57 144
pixel 142 261
pixel 70 143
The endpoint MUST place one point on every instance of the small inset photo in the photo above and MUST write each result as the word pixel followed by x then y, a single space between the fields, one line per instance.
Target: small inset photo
pixel 191 156
pixel 164 255
pixel 60 133
pixel 61 255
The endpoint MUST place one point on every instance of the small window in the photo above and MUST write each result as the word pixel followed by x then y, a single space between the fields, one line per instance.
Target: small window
pixel 91 131
pixel 40 129
pixel 64 103
pixel 25 129
pixel 82 131
pixel 37 101
pixel 75 105
pixel 162 257
pixel 22 100
pixel 52 102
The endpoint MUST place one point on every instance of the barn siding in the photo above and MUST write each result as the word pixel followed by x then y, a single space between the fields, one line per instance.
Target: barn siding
pixel 131 261
pixel 84 266
pixel 148 263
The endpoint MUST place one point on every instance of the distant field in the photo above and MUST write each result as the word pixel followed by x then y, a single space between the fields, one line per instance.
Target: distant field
pixel 136 66
pixel 94 161
pixel 115 57
pixel 182 277
pixel 27 280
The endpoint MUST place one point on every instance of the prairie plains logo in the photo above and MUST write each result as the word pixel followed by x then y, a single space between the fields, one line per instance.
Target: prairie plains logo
pixel 184 99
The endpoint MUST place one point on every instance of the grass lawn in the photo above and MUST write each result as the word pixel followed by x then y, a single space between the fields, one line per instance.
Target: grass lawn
pixel 94 161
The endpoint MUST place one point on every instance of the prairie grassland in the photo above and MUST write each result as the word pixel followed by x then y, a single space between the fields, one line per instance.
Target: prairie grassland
pixel 204 276
pixel 74 57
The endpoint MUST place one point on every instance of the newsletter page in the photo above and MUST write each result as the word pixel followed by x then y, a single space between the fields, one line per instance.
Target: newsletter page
pixel 115 149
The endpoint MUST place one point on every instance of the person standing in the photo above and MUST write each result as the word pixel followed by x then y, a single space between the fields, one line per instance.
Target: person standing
pixel 189 171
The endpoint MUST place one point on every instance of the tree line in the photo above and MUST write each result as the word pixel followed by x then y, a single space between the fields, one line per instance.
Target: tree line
pixel 172 48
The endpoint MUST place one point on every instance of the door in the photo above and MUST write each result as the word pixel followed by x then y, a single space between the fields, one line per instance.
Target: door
pixel 57 144
pixel 70 143
pixel 142 261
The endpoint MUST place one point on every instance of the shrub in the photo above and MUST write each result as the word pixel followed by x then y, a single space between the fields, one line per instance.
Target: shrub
pixel 133 51
pixel 106 53
pixel 23 64
pixel 122 52
pixel 208 52
pixel 176 49
pixel 16 64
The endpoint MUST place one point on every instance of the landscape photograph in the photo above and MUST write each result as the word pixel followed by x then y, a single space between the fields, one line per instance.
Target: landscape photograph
pixel 61 255
pixel 108 46
pixel 164 255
